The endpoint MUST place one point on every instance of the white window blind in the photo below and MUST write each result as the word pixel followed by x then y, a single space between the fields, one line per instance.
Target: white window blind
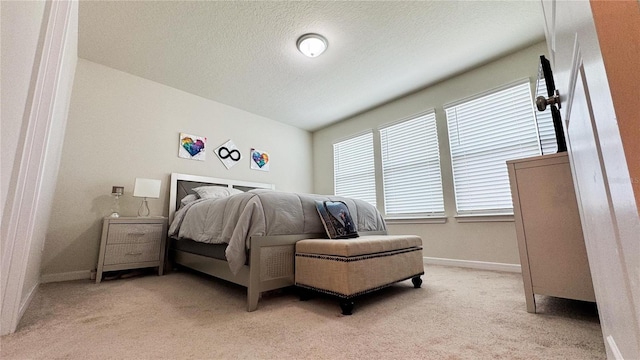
pixel 545 122
pixel 353 168
pixel 485 132
pixel 411 167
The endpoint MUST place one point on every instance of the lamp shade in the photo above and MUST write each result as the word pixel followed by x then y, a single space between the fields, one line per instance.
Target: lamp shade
pixel 147 188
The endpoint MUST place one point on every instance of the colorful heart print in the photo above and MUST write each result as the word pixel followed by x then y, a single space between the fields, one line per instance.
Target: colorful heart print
pixel 260 158
pixel 193 148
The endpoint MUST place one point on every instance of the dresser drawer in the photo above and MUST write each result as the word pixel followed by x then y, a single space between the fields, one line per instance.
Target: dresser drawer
pixel 134 233
pixel 132 253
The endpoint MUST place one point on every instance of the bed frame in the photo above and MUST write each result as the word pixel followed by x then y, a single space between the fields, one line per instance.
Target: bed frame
pixel 271 258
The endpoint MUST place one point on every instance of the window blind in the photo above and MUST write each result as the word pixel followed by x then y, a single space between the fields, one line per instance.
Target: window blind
pixel 485 132
pixel 411 167
pixel 545 123
pixel 354 169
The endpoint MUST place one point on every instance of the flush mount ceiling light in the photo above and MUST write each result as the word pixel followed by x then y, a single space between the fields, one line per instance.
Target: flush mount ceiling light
pixel 312 45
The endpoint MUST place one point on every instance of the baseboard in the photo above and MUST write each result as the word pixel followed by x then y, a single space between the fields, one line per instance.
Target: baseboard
pixel 482 265
pixel 27 300
pixel 66 276
pixel 617 355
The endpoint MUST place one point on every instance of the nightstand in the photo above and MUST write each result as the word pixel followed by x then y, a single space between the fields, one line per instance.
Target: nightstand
pixel 132 243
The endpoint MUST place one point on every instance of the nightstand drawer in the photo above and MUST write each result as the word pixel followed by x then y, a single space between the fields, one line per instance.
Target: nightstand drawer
pixel 134 233
pixel 132 253
pixel 132 243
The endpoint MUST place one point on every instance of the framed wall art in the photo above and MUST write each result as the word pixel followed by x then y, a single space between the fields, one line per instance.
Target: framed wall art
pixel 259 160
pixel 192 147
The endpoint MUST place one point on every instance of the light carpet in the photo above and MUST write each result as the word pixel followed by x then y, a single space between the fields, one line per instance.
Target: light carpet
pixel 457 314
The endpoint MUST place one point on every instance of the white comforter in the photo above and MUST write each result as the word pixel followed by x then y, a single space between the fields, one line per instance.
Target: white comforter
pixel 234 219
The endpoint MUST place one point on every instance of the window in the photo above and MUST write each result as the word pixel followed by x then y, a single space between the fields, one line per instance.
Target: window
pixel 411 167
pixel 485 132
pixel 354 169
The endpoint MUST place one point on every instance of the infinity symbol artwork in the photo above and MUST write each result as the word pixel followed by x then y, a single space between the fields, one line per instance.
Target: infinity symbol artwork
pixel 229 154
pixel 225 153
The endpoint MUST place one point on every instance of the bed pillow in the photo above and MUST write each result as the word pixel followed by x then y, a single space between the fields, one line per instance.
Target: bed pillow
pixel 188 199
pixel 259 190
pixel 336 219
pixel 215 192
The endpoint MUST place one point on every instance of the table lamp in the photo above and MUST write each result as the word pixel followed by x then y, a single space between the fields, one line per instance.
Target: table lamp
pixel 146 188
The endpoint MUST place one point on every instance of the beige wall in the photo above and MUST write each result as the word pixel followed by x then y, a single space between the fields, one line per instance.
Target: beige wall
pixel 477 241
pixel 121 127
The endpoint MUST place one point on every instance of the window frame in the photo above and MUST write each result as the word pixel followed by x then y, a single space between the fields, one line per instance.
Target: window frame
pixel 430 116
pixel 337 142
pixel 463 211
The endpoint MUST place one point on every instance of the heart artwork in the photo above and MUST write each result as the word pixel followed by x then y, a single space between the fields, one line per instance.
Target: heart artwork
pixel 192 147
pixel 261 159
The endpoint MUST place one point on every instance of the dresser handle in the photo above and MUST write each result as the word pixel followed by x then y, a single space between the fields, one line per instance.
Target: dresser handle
pixel 133 253
pixel 137 233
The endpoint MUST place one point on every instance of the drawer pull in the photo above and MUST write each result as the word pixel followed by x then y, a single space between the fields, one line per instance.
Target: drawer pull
pixel 138 233
pixel 133 253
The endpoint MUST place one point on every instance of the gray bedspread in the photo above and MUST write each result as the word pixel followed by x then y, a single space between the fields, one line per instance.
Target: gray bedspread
pixel 235 219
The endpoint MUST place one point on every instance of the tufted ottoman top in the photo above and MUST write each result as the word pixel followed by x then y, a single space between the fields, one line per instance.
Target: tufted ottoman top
pixel 363 245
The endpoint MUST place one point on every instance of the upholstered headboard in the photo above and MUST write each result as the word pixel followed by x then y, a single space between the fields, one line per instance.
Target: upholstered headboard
pixel 183 185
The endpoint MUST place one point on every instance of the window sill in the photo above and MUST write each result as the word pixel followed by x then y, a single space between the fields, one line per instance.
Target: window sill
pixel 484 218
pixel 424 220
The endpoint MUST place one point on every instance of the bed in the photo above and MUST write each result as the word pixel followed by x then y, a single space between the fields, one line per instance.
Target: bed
pixel 254 249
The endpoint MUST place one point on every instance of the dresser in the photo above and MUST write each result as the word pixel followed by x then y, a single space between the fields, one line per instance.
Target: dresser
pixel 550 241
pixel 132 243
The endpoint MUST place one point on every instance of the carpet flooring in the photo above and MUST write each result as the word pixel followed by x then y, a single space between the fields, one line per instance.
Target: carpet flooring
pixel 457 314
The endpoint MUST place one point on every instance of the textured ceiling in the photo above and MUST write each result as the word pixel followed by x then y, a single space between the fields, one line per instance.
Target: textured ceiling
pixel 243 53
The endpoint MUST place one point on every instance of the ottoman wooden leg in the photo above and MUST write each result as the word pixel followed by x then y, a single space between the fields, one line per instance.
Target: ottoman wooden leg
pixel 417 281
pixel 346 306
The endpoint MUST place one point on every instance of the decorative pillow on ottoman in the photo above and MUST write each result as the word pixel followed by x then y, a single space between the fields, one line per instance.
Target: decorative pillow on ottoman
pixel 336 219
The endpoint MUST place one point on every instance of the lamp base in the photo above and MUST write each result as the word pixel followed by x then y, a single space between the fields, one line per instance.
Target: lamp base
pixel 115 208
pixel 144 211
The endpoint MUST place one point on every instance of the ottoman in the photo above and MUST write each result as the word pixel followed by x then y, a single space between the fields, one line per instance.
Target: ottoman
pixel 347 268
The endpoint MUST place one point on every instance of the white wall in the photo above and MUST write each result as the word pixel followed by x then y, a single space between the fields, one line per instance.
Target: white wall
pixel 121 127
pixel 21 23
pixel 478 241
pixel 54 149
pixel 21 27
pixel 39 53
